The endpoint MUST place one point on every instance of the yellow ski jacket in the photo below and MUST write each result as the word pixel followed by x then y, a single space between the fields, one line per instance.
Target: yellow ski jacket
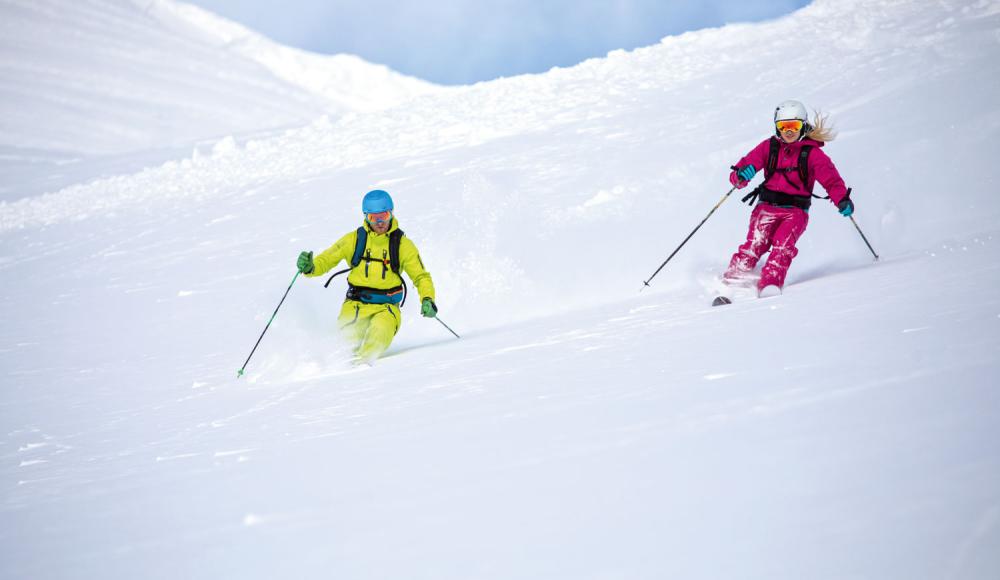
pixel 374 274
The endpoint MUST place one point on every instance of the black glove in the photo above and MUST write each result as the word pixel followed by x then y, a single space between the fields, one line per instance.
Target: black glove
pixel 305 263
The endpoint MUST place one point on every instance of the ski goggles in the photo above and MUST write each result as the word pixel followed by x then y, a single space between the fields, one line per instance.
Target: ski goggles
pixel 789 125
pixel 379 218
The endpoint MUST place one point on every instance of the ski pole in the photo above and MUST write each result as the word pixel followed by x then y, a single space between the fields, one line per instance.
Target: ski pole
pixel 239 373
pixel 872 250
pixel 646 283
pixel 446 326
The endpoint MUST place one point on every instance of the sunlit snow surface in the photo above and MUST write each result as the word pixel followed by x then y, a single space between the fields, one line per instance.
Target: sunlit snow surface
pixel 104 87
pixel 578 429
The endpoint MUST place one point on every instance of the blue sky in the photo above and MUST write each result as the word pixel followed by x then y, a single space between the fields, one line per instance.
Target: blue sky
pixel 465 41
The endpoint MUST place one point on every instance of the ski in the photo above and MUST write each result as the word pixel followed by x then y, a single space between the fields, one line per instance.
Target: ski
pixel 766 292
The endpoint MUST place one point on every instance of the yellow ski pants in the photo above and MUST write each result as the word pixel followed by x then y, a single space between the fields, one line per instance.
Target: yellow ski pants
pixel 369 327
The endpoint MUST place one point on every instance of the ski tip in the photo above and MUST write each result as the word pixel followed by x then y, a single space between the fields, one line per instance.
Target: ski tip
pixel 721 301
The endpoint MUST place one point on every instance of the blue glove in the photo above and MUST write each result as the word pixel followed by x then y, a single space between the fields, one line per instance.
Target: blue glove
pixel 846 207
pixel 305 262
pixel 428 308
pixel 747 173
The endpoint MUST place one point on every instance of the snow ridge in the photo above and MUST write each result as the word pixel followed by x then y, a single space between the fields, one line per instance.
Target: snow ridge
pixel 113 76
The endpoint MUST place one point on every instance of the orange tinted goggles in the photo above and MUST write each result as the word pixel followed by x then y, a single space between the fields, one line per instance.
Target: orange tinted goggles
pixel 789 125
pixel 379 218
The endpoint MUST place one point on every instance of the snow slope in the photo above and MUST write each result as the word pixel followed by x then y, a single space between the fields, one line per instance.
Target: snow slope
pixel 579 429
pixel 347 81
pixel 81 80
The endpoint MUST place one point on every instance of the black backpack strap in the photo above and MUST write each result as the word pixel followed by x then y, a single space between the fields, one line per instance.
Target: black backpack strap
pixel 751 197
pixel 772 158
pixel 345 270
pixel 395 239
pixel 804 171
pixel 804 164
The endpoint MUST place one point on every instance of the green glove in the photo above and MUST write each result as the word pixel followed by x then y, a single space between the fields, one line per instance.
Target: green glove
pixel 305 262
pixel 428 308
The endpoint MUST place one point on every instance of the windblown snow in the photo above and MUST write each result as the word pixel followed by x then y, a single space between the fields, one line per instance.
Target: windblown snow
pixel 162 168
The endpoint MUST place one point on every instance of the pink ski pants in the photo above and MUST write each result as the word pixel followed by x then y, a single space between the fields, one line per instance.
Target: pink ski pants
pixel 771 228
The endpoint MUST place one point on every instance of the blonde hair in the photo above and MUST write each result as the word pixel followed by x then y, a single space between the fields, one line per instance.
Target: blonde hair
pixel 822 131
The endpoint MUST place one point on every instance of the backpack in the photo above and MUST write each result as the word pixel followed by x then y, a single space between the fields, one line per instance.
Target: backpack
pixel 771 167
pixel 361 241
pixel 802 167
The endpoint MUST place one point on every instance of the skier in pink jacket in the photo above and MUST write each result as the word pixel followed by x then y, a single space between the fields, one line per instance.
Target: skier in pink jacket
pixel 793 161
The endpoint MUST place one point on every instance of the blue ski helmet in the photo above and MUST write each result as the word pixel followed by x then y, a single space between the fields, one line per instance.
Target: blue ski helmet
pixel 376 201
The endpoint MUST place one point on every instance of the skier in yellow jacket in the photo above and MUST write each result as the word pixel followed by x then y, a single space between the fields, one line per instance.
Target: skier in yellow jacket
pixel 370 316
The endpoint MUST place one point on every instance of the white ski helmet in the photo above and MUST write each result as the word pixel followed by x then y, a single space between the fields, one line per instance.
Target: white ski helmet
pixel 789 110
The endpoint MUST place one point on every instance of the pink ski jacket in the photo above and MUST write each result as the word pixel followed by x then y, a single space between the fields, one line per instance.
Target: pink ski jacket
pixel 821 169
